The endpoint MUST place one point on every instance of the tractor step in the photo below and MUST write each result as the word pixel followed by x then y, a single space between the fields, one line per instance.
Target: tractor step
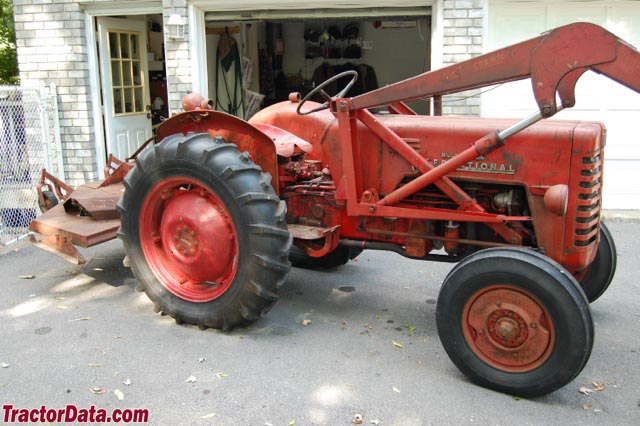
pixel 315 240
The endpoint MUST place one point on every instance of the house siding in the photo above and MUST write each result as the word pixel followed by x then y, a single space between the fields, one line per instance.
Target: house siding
pixel 178 57
pixel 463 28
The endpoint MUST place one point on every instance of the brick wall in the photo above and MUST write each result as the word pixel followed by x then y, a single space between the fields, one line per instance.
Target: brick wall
pixel 463 29
pixel 178 58
pixel 50 37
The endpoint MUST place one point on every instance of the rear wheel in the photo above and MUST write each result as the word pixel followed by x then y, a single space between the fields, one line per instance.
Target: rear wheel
pixel 515 321
pixel 205 232
pixel 599 274
pixel 338 257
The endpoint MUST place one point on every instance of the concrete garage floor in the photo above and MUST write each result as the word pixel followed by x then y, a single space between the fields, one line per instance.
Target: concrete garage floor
pixel 71 329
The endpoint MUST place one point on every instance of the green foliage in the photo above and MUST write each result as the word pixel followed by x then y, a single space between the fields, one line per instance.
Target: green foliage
pixel 8 56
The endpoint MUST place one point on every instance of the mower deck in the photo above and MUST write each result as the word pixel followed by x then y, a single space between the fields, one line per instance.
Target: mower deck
pixel 87 218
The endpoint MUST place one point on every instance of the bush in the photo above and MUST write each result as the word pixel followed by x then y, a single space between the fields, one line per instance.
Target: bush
pixel 8 56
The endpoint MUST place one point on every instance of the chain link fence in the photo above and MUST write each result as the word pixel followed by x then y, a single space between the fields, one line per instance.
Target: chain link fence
pixel 29 142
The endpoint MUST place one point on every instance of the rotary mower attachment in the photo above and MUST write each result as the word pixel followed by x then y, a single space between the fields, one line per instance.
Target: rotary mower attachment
pixel 83 217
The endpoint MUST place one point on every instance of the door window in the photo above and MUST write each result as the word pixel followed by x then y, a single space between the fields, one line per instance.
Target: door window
pixel 127 79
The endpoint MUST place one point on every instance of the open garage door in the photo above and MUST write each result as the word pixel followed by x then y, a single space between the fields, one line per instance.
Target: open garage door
pixel 294 50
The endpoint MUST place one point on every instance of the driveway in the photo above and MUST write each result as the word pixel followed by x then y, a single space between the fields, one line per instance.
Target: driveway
pixel 324 354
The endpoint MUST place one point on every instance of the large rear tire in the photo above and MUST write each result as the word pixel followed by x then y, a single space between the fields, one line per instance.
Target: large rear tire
pixel 515 321
pixel 205 232
pixel 599 274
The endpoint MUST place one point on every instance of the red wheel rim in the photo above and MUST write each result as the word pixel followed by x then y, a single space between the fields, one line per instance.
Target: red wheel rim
pixel 188 239
pixel 508 328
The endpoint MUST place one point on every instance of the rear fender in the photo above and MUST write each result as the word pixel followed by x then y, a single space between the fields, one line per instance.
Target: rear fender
pixel 234 130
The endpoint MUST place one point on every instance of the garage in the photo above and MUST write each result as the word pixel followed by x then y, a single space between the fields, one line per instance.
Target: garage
pixel 597 97
pixel 295 48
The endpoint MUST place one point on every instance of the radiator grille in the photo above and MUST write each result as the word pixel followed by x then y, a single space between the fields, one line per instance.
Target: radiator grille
pixel 589 194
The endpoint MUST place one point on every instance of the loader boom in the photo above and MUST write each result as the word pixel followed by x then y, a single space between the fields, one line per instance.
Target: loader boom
pixel 554 61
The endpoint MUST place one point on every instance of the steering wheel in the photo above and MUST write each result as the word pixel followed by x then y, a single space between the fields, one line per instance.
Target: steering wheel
pixel 325 95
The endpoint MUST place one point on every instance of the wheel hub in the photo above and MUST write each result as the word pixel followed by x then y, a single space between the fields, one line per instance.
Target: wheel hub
pixel 508 328
pixel 189 239
pixel 186 219
pixel 186 241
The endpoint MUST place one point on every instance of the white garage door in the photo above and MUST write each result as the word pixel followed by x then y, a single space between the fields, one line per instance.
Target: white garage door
pixel 597 98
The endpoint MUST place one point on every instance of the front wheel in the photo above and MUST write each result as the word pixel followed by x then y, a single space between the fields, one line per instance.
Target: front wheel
pixel 599 274
pixel 515 321
pixel 205 232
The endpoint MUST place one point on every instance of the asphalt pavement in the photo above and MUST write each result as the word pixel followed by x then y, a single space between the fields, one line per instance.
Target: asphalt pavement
pixel 358 340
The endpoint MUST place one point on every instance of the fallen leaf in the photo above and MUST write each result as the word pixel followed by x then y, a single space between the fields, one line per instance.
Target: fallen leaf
pixel 4 365
pixel 95 365
pixel 396 344
pixel 395 389
pixel 292 422
pixel 62 307
pixel 409 327
pixel 585 390
pixel 345 323
pixel 598 386
pixel 81 319
pixel 516 398
pixel 26 277
pixel 127 382
pixel 586 406
pixel 119 394
pixel 97 391
pixel 208 416
pixel 201 360
pixel 357 419
pixel 306 322
pixel 191 379
pixel 221 375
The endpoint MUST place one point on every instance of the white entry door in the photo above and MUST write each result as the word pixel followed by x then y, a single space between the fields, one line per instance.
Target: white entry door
pixel 122 49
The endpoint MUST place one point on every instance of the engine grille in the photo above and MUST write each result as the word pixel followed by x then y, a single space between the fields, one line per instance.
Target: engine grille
pixel 589 195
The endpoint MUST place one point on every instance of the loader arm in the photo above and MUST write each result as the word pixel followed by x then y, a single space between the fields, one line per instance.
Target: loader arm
pixel 554 61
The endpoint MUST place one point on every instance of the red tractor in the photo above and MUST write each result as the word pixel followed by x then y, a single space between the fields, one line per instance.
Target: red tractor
pixel 215 209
